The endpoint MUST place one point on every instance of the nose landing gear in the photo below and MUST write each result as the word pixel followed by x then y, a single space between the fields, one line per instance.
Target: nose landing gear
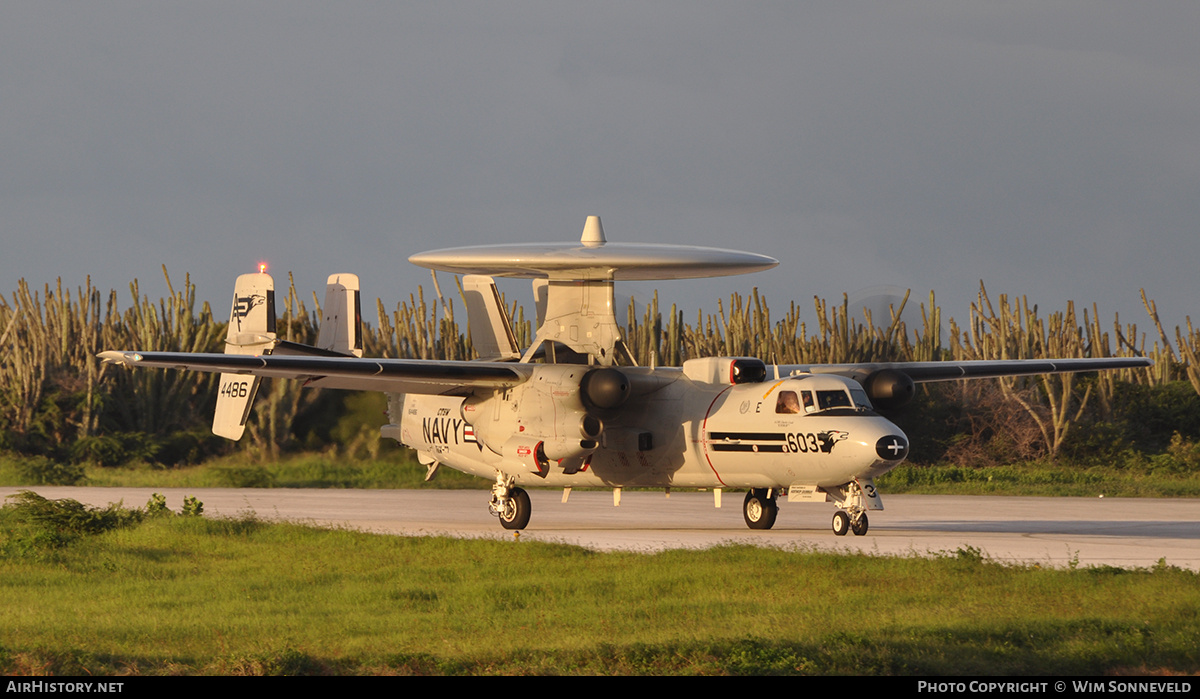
pixel 847 522
pixel 856 500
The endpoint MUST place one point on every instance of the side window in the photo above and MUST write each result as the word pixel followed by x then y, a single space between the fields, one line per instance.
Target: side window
pixel 787 403
pixel 809 404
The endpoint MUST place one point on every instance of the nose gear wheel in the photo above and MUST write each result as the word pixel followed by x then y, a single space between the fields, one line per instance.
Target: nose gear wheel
pixel 859 525
pixel 841 523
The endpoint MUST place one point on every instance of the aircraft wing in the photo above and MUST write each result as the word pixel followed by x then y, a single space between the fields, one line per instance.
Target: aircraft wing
pixel 390 375
pixel 921 372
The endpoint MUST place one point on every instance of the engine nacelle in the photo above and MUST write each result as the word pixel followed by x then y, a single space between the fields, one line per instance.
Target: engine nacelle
pixel 726 370
pixel 889 388
pixel 554 409
pixel 604 389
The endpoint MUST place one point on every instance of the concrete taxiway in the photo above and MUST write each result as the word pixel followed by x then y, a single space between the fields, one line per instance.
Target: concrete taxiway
pixel 1126 532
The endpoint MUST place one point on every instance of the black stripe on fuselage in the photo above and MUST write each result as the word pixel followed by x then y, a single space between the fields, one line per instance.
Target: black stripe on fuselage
pixel 761 448
pixel 752 436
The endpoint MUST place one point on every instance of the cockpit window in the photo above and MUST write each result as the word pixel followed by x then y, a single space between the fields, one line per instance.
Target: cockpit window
pixel 820 400
pixel 833 399
pixel 787 403
pixel 860 399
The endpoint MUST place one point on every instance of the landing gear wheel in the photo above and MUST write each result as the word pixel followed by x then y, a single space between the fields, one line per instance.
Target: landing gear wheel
pixel 859 526
pixel 841 523
pixel 759 510
pixel 515 514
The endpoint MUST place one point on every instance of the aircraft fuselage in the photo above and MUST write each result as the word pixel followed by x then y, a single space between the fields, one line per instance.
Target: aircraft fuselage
pixel 801 431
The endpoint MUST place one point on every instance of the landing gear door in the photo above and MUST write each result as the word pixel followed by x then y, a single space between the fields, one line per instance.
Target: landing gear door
pixel 870 493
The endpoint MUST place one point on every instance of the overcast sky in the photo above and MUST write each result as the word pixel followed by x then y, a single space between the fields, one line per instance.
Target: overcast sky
pixel 1049 149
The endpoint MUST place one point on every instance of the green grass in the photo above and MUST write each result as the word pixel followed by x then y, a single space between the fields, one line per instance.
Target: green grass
pixel 305 470
pixel 184 595
pixel 1046 479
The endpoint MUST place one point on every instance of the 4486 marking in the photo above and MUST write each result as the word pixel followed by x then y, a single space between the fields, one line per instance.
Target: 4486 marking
pixel 236 389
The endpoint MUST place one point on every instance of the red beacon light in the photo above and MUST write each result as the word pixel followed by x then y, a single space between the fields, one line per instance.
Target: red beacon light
pixel 262 267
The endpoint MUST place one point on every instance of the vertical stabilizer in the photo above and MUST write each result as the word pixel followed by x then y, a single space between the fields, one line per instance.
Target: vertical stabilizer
pixel 251 331
pixel 341 317
pixel 487 320
pixel 252 316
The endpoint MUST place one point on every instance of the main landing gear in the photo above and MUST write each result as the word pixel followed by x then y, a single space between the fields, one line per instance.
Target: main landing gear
pixel 760 508
pixel 509 503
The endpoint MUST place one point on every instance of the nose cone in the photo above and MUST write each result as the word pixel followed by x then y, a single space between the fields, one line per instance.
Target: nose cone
pixel 892 447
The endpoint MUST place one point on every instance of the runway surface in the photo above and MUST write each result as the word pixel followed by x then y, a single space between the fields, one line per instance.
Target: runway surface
pixel 1126 532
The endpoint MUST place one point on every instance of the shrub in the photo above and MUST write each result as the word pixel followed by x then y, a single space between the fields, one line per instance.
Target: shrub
pixel 41 470
pixel 100 450
pixel 43 523
pixel 157 506
pixel 192 507
pixel 245 476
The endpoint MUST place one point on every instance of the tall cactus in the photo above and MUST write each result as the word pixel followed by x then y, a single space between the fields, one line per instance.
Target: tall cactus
pixel 1189 347
pixel 49 338
pixel 160 400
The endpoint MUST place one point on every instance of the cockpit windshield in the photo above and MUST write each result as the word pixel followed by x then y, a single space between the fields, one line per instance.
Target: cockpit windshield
pixel 810 401
pixel 860 399
pixel 832 399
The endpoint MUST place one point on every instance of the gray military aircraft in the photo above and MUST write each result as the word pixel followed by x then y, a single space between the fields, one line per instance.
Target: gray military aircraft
pixel 575 409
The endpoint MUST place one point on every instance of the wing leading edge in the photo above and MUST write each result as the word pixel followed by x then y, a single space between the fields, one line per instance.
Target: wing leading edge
pixel 390 375
pixel 922 372
pixel 462 377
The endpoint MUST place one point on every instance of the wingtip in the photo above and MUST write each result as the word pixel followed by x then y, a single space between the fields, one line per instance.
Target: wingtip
pixel 118 357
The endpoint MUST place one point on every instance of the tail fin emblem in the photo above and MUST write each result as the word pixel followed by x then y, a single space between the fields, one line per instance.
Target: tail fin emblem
pixel 242 305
